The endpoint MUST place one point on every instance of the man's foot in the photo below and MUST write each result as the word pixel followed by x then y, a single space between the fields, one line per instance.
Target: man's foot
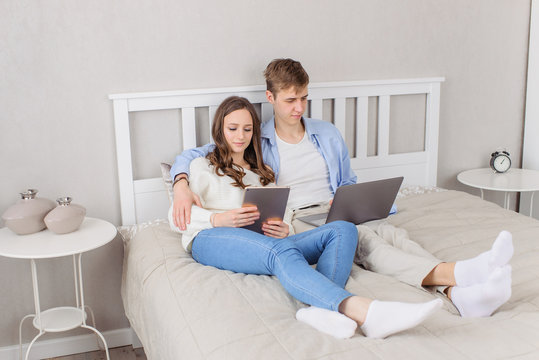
pixel 483 299
pixel 478 269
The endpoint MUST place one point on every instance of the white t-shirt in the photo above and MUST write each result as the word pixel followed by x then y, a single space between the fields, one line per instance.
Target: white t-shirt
pixel 304 169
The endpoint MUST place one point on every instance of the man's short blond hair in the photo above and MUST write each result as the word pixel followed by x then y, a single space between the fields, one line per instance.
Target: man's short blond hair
pixel 282 74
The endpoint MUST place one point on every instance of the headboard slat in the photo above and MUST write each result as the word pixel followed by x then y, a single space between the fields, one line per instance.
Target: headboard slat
pixel 432 125
pixel 362 126
pixel 383 125
pixel 211 114
pixel 123 157
pixel 148 185
pixel 189 128
pixel 339 114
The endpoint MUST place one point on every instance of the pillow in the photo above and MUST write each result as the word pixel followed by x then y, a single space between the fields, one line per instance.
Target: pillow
pixel 165 172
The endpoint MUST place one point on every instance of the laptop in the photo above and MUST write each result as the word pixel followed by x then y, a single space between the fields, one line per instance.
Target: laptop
pixel 359 203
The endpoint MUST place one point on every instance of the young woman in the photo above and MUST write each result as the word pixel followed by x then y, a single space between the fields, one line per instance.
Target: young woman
pixel 215 237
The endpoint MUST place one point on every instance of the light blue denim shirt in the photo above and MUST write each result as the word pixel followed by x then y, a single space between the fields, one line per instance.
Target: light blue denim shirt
pixel 325 137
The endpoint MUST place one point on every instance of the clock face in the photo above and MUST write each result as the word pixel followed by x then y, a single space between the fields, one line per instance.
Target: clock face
pixel 501 163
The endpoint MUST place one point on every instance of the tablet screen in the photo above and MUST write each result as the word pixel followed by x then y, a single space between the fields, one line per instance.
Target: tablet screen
pixel 270 201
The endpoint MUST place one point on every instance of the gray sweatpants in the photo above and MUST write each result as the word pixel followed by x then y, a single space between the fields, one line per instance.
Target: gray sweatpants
pixel 384 249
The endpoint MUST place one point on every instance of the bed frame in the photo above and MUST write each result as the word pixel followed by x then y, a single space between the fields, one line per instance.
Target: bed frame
pixel 146 199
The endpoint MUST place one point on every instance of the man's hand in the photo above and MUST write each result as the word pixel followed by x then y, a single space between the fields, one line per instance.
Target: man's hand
pixel 184 198
pixel 237 217
pixel 275 228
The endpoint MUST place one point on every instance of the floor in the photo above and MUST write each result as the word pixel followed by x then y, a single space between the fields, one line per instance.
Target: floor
pixel 119 353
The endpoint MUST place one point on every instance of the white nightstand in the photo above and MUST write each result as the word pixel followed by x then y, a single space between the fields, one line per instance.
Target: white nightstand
pixel 92 234
pixel 514 180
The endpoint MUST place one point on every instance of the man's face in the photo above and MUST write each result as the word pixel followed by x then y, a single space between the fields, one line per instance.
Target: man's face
pixel 289 104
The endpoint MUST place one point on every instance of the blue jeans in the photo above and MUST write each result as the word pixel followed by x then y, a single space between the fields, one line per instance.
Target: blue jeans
pixel 332 246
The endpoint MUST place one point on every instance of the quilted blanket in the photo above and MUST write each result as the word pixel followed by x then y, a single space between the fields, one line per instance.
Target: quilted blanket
pixel 183 310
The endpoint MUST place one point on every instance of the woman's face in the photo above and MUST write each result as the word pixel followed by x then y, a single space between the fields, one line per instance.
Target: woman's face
pixel 238 130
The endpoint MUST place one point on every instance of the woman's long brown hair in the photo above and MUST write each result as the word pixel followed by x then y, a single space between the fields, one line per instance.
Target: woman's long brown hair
pixel 221 156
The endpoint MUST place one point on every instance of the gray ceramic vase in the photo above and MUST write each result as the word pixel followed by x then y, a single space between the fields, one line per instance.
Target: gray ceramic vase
pixel 66 217
pixel 26 215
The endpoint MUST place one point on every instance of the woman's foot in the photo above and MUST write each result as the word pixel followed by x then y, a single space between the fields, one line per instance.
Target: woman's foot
pixel 385 318
pixel 330 322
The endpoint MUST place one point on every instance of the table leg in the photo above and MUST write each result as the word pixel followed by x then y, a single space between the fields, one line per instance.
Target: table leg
pixel 80 295
pixel 36 293
pixel 482 194
pixel 20 333
pixel 99 344
pixel 32 343
pixel 76 278
pixel 37 314
pixel 506 200
pixel 84 325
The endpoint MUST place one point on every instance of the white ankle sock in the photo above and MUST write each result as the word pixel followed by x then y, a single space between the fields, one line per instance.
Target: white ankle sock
pixel 387 317
pixel 477 270
pixel 330 322
pixel 483 299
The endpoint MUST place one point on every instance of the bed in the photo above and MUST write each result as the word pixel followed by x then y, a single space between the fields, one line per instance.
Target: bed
pixel 183 310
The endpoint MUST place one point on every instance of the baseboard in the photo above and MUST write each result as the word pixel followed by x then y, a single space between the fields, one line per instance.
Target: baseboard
pixel 71 345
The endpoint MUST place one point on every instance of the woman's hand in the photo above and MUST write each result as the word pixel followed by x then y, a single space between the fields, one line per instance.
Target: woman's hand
pixel 184 198
pixel 237 217
pixel 275 228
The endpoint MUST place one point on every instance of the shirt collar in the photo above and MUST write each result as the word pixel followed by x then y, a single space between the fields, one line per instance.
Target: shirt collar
pixel 310 127
pixel 268 129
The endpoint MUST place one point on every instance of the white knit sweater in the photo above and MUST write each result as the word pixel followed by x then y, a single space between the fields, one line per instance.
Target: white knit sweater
pixel 217 194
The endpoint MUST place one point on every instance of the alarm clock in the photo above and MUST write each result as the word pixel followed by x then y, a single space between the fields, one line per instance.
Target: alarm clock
pixel 500 161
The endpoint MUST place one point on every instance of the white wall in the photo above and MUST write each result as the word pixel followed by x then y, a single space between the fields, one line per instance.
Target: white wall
pixel 59 60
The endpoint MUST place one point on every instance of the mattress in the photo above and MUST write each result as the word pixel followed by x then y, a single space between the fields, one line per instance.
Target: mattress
pixel 183 310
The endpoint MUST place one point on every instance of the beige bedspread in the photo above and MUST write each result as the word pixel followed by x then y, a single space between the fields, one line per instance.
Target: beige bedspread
pixel 183 310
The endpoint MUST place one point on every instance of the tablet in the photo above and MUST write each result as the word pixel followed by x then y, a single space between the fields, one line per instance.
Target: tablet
pixel 270 201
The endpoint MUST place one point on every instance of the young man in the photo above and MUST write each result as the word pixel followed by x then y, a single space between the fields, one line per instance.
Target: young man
pixel 477 287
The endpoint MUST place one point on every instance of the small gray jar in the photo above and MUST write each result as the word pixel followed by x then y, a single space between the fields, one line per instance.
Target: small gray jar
pixel 66 217
pixel 26 215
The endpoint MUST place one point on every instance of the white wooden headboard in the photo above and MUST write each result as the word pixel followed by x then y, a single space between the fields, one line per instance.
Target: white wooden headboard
pixel 146 199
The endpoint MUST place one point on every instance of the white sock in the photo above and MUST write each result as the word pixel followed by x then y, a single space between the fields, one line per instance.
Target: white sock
pixel 387 317
pixel 483 299
pixel 330 322
pixel 478 269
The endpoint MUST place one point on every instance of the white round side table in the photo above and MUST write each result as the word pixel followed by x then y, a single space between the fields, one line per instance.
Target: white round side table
pixel 45 244
pixel 514 180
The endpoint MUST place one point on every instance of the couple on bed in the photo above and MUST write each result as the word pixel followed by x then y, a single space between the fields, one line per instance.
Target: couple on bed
pixel 310 156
